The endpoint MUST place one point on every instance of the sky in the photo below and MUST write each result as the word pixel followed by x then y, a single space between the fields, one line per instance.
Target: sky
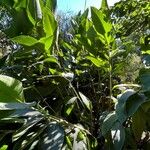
pixel 77 5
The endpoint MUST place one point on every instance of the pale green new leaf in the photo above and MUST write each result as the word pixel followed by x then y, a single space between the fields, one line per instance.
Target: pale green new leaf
pixel 25 40
pixel 47 42
pixel 49 22
pixel 96 61
pixel 4 147
pixel 51 59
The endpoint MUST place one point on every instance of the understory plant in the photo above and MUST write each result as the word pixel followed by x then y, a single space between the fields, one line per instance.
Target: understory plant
pixel 60 93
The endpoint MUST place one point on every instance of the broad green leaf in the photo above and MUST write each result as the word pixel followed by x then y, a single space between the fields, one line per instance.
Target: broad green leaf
pixel 31 10
pixel 108 123
pixel 47 42
pixel 98 20
pixel 134 102
pixel 13 106
pixel 25 40
pixel 11 90
pixel 118 136
pixel 96 61
pixel 97 16
pixel 49 23
pixel 86 101
pixel 52 138
pixel 138 123
pixel 121 106
pixel 144 77
pixel 146 106
pixel 51 4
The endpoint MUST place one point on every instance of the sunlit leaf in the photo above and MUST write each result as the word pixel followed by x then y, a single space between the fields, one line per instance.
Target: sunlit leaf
pixel 25 40
pixel 86 101
pixel 96 61
pixel 11 90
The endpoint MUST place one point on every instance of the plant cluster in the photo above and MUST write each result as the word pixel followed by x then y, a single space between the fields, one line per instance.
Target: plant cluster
pixel 78 91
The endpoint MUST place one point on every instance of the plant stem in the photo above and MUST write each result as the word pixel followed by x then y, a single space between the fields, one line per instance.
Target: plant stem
pixel 110 80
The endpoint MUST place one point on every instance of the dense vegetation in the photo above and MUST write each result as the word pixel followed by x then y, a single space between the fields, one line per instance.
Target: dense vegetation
pixel 86 89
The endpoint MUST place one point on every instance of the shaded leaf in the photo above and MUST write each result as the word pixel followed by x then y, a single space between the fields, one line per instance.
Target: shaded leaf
pixel 121 105
pixel 108 123
pixel 138 123
pixel 118 136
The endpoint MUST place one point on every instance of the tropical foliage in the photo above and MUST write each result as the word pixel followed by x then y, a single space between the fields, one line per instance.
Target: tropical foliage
pixel 89 90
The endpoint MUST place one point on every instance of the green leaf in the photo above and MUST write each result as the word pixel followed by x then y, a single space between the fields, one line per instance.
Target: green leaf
pixel 104 4
pixel 70 105
pixel 86 101
pixel 138 123
pixel 47 41
pixel 51 59
pixel 146 106
pixel 13 106
pixel 53 137
pixel 31 11
pixel 98 20
pixel 108 123
pixel 19 4
pixel 121 106
pixel 11 90
pixel 49 23
pixel 118 136
pixel 51 4
pixel 4 147
pixel 96 61
pixel 144 77
pixel 134 102
pixel 25 40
